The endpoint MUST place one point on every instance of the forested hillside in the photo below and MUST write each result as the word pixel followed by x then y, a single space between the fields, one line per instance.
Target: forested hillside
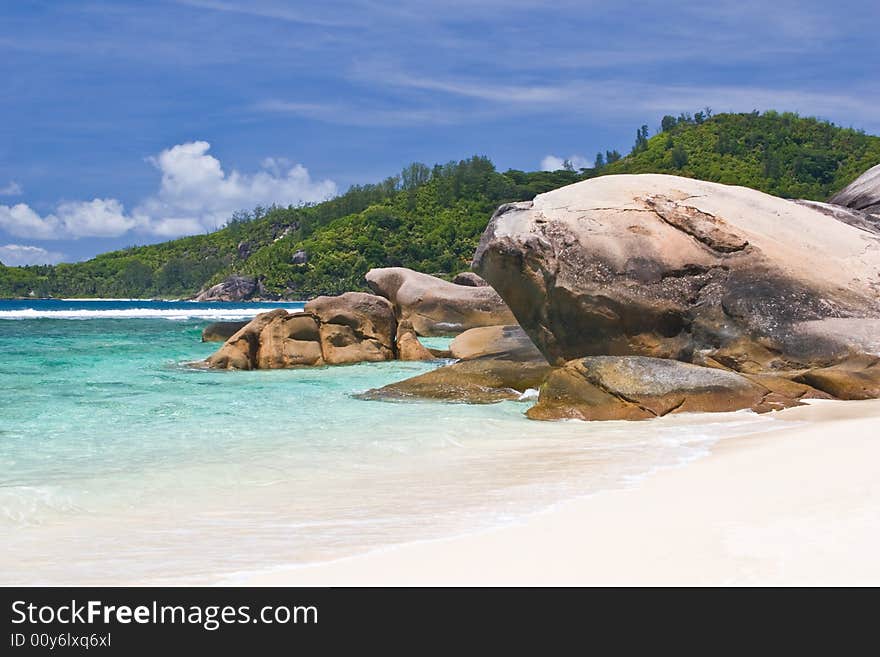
pixel 430 219
pixel 781 154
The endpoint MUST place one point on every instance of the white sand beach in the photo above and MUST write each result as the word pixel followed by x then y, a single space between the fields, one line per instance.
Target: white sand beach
pixel 796 506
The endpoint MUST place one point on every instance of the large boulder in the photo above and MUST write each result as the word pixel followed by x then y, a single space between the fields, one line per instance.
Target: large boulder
pixel 351 328
pixel 638 388
pixel 354 327
pixel 670 267
pixel 438 307
pixel 234 288
pixel 222 331
pixel 496 363
pixel 479 381
pixel 863 193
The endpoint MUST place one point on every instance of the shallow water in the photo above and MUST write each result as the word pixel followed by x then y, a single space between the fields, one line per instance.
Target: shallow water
pixel 119 464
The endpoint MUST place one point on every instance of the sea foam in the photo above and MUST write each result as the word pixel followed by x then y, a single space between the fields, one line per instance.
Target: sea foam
pixel 138 313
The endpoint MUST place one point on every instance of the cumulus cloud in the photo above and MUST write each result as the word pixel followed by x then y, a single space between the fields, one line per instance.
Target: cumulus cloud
pixel 195 195
pixel 554 163
pixel 14 255
pixel 96 218
pixel 12 188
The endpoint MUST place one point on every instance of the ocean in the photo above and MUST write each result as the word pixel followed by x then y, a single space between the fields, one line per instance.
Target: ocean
pixel 120 464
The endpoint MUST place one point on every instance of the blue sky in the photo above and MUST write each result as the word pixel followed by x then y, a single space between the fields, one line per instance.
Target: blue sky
pixel 130 122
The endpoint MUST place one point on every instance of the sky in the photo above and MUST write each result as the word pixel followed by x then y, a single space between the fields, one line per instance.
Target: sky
pixel 131 122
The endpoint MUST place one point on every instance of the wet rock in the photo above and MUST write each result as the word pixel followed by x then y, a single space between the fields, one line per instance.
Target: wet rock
pixel 478 381
pixel 639 387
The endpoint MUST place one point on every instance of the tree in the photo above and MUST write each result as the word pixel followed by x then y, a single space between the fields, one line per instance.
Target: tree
pixel 667 123
pixel 136 277
pixel 679 156
pixel 641 139
pixel 612 156
pixel 600 160
pixel 415 175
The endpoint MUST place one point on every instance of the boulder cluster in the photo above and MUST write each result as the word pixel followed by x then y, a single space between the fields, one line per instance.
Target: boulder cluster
pixel 622 297
pixel 654 294
pixel 358 327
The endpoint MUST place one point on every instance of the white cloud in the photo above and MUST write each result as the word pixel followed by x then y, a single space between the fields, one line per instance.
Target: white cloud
pixel 14 255
pixel 11 189
pixel 554 162
pixel 96 218
pixel 100 217
pixel 195 195
pixel 21 221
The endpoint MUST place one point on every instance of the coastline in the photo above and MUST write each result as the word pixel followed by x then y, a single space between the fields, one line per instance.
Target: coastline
pixel 791 506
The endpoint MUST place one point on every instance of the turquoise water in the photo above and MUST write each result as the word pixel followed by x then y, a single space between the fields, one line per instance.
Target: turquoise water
pixel 120 464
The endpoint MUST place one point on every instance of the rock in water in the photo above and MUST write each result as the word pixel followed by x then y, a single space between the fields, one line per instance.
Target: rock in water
pixel 354 327
pixel 408 345
pixel 862 194
pixel 222 331
pixel 495 341
pixel 670 267
pixel 239 352
pixel 479 381
pixel 637 388
pixel 435 306
pixel 291 340
pixel 234 288
pixel 469 279
pixel 351 328
pixel 497 363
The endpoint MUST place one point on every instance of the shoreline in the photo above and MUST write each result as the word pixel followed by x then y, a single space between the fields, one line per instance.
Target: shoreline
pixel 795 505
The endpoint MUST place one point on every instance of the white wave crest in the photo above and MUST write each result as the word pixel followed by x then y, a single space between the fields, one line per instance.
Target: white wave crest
pixel 139 313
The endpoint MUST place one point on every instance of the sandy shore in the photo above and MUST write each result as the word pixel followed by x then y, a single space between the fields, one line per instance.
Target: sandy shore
pixel 794 506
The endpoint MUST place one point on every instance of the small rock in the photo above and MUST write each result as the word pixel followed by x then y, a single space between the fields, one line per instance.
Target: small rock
pixel 469 279
pixel 222 331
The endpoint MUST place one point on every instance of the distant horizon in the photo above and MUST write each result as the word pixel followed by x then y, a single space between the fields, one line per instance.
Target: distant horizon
pixel 132 123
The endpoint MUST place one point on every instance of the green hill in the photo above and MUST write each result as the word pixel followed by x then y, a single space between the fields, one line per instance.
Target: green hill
pixel 430 219
pixel 781 154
